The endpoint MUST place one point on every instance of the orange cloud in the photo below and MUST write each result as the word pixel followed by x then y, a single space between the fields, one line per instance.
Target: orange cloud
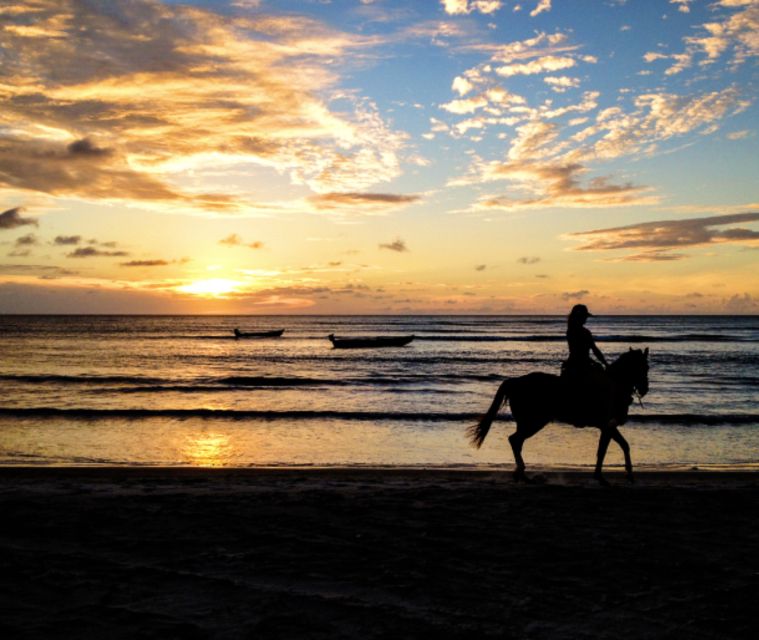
pixel 112 101
pixel 655 238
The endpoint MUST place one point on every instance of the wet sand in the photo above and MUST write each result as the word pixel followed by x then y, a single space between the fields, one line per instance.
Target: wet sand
pixel 363 553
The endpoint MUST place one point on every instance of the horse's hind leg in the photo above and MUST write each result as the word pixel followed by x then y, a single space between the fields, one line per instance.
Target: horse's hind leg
pixel 516 440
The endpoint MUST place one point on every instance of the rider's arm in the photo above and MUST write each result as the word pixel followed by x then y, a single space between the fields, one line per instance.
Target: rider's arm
pixel 597 352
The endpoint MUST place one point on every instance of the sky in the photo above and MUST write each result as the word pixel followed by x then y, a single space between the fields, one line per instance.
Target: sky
pixel 374 156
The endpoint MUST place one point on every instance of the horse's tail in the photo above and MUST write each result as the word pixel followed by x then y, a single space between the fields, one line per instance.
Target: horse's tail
pixel 478 432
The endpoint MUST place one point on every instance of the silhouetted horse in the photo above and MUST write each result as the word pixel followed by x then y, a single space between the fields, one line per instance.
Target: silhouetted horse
pixel 539 398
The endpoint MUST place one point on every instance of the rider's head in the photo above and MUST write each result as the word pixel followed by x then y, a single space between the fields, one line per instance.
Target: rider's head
pixel 579 314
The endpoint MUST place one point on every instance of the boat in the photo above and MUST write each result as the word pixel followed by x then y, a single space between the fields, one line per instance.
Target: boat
pixel 258 334
pixel 369 342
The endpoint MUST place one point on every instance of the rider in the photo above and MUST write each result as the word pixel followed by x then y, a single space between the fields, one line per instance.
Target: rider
pixel 581 342
pixel 587 383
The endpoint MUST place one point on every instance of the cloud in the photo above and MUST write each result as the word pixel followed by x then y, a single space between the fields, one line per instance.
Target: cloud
pixel 658 117
pixel 67 240
pixel 543 5
pixel 528 260
pixel 81 170
pixel 117 101
pixel 538 65
pixel 86 148
pixel 733 35
pixel 465 105
pixel 93 252
pixel 11 219
pixel 745 303
pixel 575 295
pixel 461 85
pixel 42 271
pixel 463 7
pixel 234 240
pixel 29 240
pixel 655 238
pixel 559 186
pixel 560 84
pixel 145 263
pixel 397 245
pixel 368 202
pixel 655 255
pixel 739 135
pixel 553 146
pixel 23 246
pixel 682 5
pixel 548 165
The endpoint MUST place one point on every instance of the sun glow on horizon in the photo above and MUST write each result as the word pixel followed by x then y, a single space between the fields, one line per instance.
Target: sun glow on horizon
pixel 212 287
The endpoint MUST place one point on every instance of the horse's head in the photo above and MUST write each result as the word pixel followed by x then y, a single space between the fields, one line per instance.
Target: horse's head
pixel 631 368
pixel 639 370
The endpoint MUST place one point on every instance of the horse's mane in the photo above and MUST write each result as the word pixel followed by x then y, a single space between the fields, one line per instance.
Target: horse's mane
pixel 626 359
pixel 626 371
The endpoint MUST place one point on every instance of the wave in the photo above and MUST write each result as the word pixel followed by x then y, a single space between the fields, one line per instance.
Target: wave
pixel 78 379
pixel 682 419
pixel 225 383
pixel 462 334
pixel 634 338
pixel 718 380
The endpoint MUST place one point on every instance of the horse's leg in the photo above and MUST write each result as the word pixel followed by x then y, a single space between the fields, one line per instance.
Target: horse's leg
pixel 620 440
pixel 516 440
pixel 603 445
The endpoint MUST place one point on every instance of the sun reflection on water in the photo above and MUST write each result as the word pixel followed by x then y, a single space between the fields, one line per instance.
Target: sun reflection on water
pixel 208 449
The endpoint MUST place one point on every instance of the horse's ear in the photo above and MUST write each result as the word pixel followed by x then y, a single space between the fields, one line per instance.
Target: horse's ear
pixel 645 352
pixel 630 349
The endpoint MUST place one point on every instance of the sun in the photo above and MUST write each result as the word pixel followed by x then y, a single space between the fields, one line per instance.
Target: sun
pixel 213 287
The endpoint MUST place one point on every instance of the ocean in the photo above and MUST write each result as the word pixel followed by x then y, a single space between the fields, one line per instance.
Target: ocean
pixel 182 391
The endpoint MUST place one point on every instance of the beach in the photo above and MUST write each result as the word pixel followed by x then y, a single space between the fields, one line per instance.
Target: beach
pixel 375 553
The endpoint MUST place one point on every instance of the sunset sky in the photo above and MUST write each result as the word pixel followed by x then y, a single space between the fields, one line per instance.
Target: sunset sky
pixel 374 156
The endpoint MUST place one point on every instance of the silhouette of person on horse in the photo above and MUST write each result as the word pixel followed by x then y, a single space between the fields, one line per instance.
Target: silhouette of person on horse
pixel 586 386
pixel 587 393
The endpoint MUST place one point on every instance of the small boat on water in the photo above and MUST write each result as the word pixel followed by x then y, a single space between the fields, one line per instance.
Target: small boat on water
pixel 258 334
pixel 369 342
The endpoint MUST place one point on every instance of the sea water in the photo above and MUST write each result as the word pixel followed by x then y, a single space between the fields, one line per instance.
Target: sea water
pixel 182 391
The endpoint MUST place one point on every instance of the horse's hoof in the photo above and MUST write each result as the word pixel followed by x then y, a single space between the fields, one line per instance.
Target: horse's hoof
pixel 630 479
pixel 520 476
pixel 601 480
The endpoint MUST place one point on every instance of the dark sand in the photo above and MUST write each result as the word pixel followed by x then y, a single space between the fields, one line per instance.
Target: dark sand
pixel 161 553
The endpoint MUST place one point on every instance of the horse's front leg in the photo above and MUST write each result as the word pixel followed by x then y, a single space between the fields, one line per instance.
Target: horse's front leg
pixel 603 445
pixel 620 440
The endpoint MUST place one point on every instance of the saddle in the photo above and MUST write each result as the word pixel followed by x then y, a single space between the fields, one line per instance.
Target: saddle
pixel 586 393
